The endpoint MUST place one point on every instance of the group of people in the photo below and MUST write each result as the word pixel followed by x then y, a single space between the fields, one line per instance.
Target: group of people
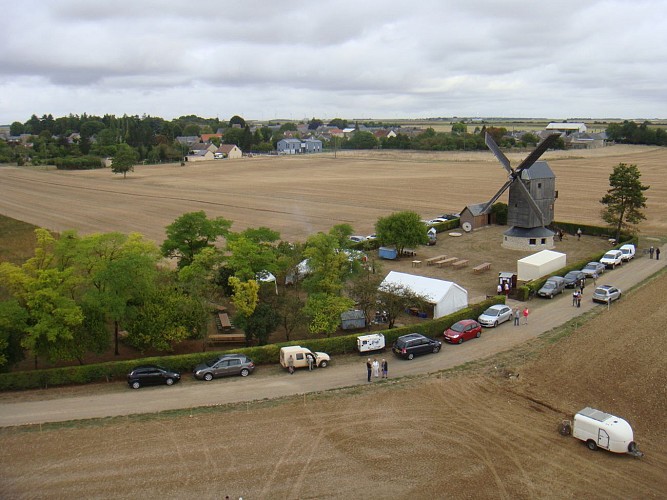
pixel 373 368
pixel 656 251
pixel 517 315
pixel 504 288
pixel 578 293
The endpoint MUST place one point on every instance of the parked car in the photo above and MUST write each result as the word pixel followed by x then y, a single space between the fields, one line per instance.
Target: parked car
pixel 574 279
pixel 612 258
pixel 356 238
pixel 227 364
pixel 606 294
pixel 437 220
pixel 151 375
pixel 495 315
pixel 465 329
pixel 628 251
pixel 372 237
pixel 552 287
pixel 413 344
pixel 593 269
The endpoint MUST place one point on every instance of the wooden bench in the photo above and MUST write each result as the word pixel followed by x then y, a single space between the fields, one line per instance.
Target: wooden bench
pixel 434 260
pixel 226 337
pixel 484 266
pixel 416 263
pixel 447 262
pixel 460 263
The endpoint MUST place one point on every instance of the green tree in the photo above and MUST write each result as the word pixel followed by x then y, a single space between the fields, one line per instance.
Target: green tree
pixel 124 160
pixel 260 323
pixel 290 310
pixel 364 290
pixel 530 139
pixel 191 233
pixel 237 120
pixel 459 128
pixel 625 199
pixel 13 326
pixel 315 123
pixel 246 295
pixel 338 123
pixel 324 310
pixel 362 140
pixel 330 267
pixel 394 299
pixel 401 229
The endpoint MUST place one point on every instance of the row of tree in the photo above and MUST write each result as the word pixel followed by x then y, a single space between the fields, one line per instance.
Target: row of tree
pixel 77 294
pixel 630 132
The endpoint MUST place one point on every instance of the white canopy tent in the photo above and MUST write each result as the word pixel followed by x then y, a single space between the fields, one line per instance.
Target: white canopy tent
pixel 540 264
pixel 447 297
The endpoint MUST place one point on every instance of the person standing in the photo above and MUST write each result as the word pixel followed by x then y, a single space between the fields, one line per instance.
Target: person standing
pixel 376 368
pixel 657 254
pixel 650 251
pixel 507 289
pixel 369 368
pixel 385 368
pixel 578 299
pixel 578 233
pixel 525 315
pixel 290 365
pixel 310 362
pixel 517 316
pixel 574 297
pixel 500 289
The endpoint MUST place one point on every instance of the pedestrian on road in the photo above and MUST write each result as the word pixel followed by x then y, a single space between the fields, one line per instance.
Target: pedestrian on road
pixel 369 368
pixel 517 316
pixel 578 299
pixel 310 362
pixel 650 251
pixel 385 368
pixel 525 315
pixel 578 233
pixel 582 284
pixel 657 254
pixel 376 367
pixel 290 365
pixel 574 297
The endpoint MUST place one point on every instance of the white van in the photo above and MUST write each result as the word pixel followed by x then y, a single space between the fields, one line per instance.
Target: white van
pixel 628 251
pixel 370 343
pixel 602 430
pixel 300 357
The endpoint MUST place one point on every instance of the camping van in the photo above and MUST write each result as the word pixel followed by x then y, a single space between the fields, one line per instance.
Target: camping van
pixel 370 343
pixel 602 430
pixel 300 356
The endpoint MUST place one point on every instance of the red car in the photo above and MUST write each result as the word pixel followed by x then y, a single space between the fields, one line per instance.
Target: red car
pixel 465 329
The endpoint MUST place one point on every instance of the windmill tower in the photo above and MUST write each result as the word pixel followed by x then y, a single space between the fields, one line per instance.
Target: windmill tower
pixel 532 197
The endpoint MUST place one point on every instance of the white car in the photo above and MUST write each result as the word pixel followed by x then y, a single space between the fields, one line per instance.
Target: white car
pixel 612 258
pixel 628 251
pixel 357 239
pixel 437 220
pixel 495 315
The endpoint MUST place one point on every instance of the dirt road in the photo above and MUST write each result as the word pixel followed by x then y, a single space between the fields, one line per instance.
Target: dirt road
pixel 271 382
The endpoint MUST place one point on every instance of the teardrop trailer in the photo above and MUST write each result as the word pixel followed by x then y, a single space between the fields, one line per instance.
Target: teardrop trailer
pixel 601 430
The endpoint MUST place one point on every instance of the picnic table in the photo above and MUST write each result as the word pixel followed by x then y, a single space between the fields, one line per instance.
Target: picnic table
pixel 225 323
pixel 434 260
pixel 446 262
pixel 416 263
pixel 484 266
pixel 460 263
pixel 226 337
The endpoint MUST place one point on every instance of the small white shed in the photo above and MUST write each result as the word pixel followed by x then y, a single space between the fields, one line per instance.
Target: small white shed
pixel 539 264
pixel 447 297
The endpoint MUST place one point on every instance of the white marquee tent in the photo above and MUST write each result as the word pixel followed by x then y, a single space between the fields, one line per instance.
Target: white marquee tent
pixel 539 264
pixel 447 297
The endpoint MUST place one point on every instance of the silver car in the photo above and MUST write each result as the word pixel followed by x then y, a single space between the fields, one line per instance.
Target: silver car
pixel 495 315
pixel 227 364
pixel 606 294
pixel 593 269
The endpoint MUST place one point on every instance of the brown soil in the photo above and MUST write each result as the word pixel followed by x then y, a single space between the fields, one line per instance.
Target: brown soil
pixel 473 435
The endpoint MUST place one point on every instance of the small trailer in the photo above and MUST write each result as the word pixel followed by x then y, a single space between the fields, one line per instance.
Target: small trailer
pixel 602 430
pixel 370 343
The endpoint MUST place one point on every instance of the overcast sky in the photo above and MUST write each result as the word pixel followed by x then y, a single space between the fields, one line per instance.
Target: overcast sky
pixel 340 58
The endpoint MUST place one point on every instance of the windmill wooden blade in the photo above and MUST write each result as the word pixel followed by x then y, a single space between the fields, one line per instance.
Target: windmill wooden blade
pixel 498 194
pixel 499 154
pixel 529 198
pixel 537 152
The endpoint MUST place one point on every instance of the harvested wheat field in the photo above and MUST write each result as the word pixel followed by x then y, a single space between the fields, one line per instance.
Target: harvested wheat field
pixel 471 434
pixel 301 195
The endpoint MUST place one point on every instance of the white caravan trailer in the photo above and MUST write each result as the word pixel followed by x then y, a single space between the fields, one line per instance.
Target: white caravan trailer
pixel 370 343
pixel 602 430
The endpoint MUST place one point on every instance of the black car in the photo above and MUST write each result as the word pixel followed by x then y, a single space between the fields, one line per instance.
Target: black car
pixel 574 279
pixel 227 364
pixel 414 344
pixel 151 375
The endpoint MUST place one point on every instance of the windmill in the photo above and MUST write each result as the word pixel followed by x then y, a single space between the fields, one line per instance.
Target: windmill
pixel 532 194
